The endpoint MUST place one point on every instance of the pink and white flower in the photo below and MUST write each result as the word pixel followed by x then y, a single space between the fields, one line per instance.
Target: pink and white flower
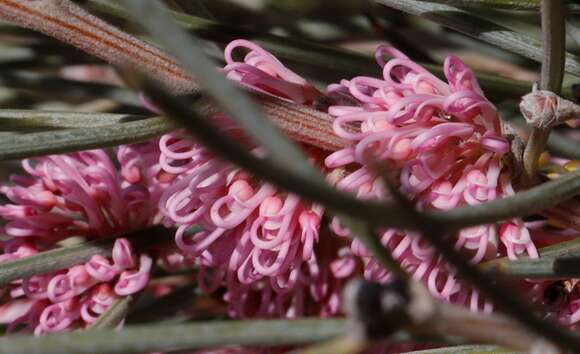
pixel 79 196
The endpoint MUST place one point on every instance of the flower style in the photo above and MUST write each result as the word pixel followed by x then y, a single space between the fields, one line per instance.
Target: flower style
pixel 72 196
pixel 444 141
pixel 258 241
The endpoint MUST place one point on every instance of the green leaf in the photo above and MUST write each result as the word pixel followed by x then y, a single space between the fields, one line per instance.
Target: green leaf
pixel 556 262
pixel 146 339
pixel 29 120
pixel 19 146
pixel 479 28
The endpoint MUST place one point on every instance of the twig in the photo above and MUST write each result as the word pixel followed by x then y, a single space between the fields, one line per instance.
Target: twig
pixel 554 39
pixel 566 249
pixel 379 310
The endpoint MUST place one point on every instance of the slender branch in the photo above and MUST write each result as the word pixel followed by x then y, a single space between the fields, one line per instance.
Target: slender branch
pixel 65 257
pixel 554 39
pixel 502 4
pixel 379 310
pixel 145 339
pixel 474 327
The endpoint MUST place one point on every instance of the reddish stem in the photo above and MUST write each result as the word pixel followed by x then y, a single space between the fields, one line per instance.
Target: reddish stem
pixel 68 22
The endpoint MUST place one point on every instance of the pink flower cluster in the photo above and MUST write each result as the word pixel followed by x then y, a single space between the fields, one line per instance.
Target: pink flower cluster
pixel 73 197
pixel 443 139
pixel 272 252
pixel 257 241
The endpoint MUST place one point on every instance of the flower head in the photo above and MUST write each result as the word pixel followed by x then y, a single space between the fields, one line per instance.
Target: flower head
pixel 444 141
pixel 65 198
pixel 255 239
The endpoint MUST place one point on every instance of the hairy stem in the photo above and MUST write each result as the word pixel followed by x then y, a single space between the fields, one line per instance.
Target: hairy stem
pixel 553 32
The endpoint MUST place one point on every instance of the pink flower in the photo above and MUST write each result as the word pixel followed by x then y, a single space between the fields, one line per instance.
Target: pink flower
pixel 443 138
pixel 79 195
pixel 256 240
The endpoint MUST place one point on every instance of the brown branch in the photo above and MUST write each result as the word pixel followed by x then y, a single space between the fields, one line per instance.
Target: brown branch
pixel 67 22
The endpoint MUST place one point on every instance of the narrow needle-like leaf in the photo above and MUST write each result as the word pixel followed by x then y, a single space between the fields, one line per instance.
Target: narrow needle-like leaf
pixel 18 146
pixel 523 203
pixel 26 120
pixel 465 349
pixel 557 261
pixel 146 339
pixel 480 28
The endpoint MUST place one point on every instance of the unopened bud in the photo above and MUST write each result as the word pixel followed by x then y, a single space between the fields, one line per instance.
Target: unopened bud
pixel 545 109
